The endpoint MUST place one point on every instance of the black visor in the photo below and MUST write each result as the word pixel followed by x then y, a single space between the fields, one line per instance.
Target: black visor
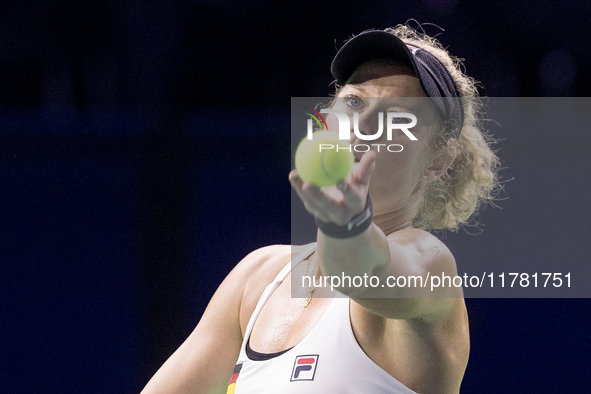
pixel 435 79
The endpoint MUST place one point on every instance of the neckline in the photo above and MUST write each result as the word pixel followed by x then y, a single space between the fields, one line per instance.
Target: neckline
pixel 280 353
pixel 268 292
pixel 258 356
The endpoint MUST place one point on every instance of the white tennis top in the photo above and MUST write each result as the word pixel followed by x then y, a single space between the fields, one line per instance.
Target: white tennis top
pixel 327 360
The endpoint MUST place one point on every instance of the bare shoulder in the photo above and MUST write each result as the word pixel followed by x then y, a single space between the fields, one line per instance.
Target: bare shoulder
pixel 428 250
pixel 416 257
pixel 205 361
pixel 433 257
pixel 257 270
pixel 422 341
pixel 444 315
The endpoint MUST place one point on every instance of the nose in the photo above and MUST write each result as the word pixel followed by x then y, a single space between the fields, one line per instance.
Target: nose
pixel 355 140
pixel 362 121
pixel 369 121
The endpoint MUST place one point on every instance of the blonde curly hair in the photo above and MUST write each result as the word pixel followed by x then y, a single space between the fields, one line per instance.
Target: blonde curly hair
pixel 472 179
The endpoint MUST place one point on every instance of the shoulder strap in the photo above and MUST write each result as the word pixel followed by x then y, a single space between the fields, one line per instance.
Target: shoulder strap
pixel 271 287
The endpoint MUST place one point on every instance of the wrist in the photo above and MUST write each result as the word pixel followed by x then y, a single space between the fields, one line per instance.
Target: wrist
pixel 358 224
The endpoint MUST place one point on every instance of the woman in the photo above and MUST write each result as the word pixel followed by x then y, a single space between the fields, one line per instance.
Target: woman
pixel 259 338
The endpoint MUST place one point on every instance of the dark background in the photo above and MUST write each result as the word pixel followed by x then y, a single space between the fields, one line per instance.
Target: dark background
pixel 133 175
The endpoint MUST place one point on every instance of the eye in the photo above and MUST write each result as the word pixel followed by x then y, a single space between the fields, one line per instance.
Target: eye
pixel 354 101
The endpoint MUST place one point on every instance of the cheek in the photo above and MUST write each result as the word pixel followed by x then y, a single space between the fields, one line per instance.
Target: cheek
pixel 401 169
pixel 411 156
pixel 392 169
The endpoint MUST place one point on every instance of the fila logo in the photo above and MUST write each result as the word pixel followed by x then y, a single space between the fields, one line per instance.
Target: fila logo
pixel 304 367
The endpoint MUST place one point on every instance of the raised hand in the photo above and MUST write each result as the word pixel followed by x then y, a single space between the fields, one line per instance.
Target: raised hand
pixel 337 204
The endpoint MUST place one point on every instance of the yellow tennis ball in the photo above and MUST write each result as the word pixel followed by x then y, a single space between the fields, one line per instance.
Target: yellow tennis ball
pixel 324 160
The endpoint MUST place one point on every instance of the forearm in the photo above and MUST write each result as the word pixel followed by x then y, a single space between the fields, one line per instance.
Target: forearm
pixel 372 254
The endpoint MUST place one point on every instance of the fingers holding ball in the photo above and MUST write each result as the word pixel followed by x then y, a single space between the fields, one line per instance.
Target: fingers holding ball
pixel 324 160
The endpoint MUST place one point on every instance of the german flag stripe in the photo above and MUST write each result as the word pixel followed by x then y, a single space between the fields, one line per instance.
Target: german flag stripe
pixel 232 384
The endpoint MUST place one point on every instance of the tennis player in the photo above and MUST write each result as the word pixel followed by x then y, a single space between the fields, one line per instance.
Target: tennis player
pixel 256 337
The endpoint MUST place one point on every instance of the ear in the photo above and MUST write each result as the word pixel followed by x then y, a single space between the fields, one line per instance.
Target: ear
pixel 439 166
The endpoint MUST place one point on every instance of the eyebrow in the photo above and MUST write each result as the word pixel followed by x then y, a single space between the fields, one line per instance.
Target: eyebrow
pixel 350 86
